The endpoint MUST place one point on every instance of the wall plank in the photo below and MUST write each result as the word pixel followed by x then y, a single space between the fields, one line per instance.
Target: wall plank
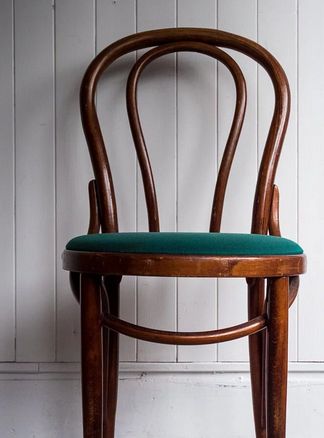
pixel 311 161
pixel 52 48
pixel 240 192
pixel 282 16
pixel 7 187
pixel 112 113
pixel 197 168
pixel 74 50
pixel 35 180
pixel 157 296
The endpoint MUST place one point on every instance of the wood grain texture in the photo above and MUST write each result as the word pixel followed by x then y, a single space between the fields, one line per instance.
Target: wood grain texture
pixel 156 304
pixel 112 111
pixel 110 357
pixel 311 209
pixel 185 338
pixel 139 142
pixel 282 16
pixel 165 265
pixel 277 358
pixel 35 200
pixel 239 194
pixel 269 162
pixel 266 374
pixel 70 143
pixel 7 184
pixel 91 353
pixel 72 51
pixel 197 160
pixel 137 131
pixel 75 45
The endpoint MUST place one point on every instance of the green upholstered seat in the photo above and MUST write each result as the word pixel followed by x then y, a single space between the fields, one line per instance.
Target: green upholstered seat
pixel 221 244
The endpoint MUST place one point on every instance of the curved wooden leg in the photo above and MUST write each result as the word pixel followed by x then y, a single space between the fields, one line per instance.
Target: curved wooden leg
pixel 257 356
pixel 91 355
pixel 277 358
pixel 111 359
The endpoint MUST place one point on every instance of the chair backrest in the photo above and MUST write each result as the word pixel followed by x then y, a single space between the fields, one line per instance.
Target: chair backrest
pixel 165 41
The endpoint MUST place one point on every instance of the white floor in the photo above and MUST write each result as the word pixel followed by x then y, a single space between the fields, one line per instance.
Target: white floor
pixel 155 405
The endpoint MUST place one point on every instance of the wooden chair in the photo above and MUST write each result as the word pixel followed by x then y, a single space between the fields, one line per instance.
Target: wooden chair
pixel 98 261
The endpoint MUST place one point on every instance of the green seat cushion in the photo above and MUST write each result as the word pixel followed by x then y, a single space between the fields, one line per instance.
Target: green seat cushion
pixel 222 244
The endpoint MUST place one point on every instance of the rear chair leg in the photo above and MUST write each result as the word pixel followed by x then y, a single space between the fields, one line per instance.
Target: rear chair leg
pixel 111 358
pixel 277 358
pixel 91 356
pixel 257 356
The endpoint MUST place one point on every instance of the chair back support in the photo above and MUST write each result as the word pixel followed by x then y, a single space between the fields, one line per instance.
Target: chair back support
pixel 208 42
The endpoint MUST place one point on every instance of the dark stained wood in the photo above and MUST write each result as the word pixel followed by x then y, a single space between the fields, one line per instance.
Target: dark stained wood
pixel 111 358
pixel 185 338
pixel 102 272
pixel 293 289
pixel 263 194
pixel 94 220
pixel 105 359
pixel 143 158
pixel 277 358
pixel 164 265
pixel 274 223
pixel 94 227
pixel 257 350
pixel 91 356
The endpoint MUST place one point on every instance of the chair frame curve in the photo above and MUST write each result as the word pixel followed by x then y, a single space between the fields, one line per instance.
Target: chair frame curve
pixel 211 37
pixel 95 277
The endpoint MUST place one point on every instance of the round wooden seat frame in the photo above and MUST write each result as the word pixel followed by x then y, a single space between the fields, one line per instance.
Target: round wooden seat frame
pixel 95 277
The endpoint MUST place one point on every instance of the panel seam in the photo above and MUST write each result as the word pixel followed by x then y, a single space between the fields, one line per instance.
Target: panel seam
pixel 55 179
pixel 177 167
pixel 14 171
pixel 298 160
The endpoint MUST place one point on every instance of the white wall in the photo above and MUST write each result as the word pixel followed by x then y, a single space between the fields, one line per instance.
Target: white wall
pixel 44 170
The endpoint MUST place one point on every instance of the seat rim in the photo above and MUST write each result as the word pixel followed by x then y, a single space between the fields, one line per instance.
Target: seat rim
pixel 167 265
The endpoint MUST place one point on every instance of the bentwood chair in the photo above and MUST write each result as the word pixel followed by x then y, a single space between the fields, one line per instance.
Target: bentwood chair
pixel 98 261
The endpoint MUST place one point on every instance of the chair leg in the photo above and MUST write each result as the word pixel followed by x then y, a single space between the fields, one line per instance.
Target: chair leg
pixel 91 355
pixel 111 360
pixel 277 358
pixel 257 357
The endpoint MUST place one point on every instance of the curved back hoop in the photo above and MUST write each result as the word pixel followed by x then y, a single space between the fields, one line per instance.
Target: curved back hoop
pixel 205 41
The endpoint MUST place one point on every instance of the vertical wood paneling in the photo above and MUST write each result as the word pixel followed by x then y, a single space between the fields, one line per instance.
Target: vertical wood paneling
pixel 116 20
pixel 311 165
pixel 157 296
pixel 62 41
pixel 282 16
pixel 7 314
pixel 74 47
pixel 232 308
pixel 197 168
pixel 35 180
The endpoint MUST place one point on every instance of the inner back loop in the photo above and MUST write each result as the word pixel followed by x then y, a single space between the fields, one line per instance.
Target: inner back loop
pixel 139 141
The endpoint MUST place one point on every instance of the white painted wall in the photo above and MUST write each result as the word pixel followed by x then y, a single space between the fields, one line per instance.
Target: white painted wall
pixel 44 170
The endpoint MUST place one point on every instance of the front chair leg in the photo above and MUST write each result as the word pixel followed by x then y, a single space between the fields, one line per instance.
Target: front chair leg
pixel 277 358
pixel 111 358
pixel 91 356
